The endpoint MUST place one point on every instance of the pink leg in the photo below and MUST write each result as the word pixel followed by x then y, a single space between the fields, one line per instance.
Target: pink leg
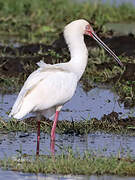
pixel 53 132
pixel 54 126
pixel 38 137
pixel 52 146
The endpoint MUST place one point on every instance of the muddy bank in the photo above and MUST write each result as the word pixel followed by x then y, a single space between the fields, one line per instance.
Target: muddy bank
pixel 108 123
pixel 15 59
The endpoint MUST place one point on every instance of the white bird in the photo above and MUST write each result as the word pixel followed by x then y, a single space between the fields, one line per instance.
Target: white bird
pixel 49 87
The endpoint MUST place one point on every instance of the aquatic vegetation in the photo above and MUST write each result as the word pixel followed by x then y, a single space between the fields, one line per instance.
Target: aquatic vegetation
pixel 10 84
pixel 110 123
pixel 72 163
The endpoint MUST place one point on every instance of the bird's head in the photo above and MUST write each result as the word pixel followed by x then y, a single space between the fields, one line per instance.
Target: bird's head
pixel 78 27
pixel 81 27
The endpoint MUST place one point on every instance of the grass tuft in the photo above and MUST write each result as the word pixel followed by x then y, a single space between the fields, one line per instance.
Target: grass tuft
pixel 109 123
pixel 72 163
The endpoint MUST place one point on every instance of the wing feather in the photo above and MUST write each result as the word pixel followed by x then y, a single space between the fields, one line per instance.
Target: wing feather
pixel 45 77
pixel 29 84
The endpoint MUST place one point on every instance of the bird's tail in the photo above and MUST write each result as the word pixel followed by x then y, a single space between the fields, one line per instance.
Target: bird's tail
pixel 22 111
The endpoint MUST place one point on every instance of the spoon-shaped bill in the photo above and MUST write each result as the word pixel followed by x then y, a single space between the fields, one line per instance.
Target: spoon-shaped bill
pixel 106 48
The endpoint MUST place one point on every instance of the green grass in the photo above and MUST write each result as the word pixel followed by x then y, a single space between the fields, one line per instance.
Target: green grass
pixel 102 69
pixel 41 21
pixel 109 124
pixel 68 162
pixel 98 56
pixel 73 164
pixel 10 84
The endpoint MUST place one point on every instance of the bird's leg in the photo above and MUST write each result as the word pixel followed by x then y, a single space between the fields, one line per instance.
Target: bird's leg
pixel 53 132
pixel 54 126
pixel 38 133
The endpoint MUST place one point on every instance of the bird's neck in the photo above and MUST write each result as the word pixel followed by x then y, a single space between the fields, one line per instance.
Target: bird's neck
pixel 79 55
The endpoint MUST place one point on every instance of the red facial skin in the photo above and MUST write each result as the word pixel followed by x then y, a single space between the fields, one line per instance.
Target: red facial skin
pixel 89 30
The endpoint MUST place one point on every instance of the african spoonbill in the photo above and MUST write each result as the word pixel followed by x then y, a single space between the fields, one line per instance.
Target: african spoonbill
pixel 48 88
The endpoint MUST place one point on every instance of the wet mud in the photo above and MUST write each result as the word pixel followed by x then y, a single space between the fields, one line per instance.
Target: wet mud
pixel 113 117
pixel 108 123
pixel 15 59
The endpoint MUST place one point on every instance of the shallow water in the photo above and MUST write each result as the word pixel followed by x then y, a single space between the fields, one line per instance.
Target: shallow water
pixel 6 175
pixel 121 28
pixel 84 105
pixel 116 2
pixel 94 103
pixel 98 143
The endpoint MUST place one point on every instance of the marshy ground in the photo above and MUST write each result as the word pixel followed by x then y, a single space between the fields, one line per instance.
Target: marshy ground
pixel 29 33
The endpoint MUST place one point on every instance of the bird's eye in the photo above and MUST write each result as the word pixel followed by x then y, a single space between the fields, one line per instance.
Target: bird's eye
pixel 87 27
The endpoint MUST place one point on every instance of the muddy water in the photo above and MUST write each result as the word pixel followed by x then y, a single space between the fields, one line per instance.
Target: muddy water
pixel 95 103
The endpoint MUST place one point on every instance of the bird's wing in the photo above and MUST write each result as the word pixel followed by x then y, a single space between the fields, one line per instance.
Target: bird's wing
pixel 31 82
pixel 47 75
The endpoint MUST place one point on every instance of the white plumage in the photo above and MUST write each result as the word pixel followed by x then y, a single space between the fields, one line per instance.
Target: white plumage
pixel 50 86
